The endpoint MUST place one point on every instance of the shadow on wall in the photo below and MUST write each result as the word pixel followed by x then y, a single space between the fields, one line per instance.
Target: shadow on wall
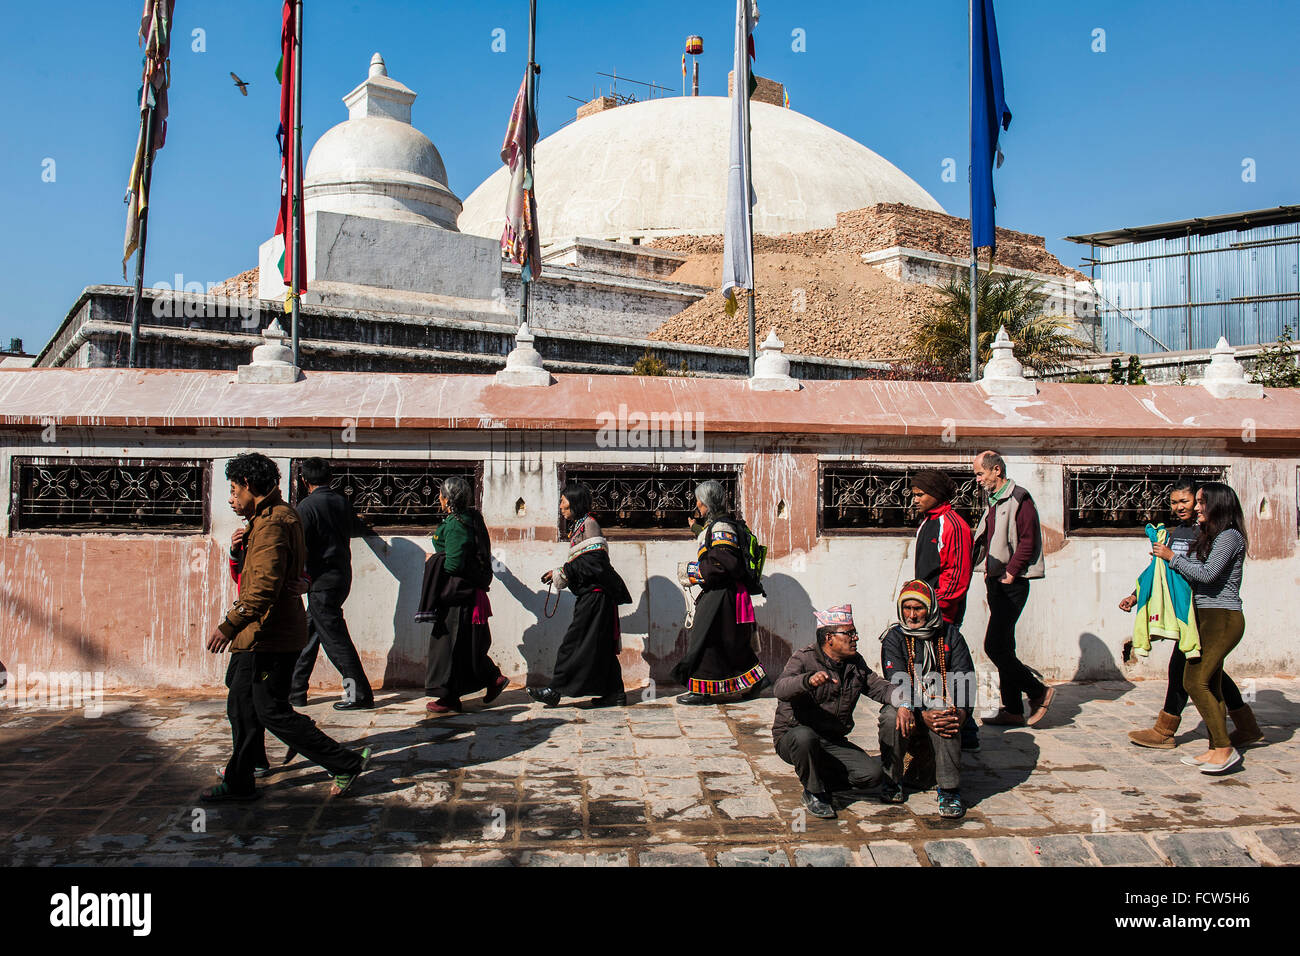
pixel 784 621
pixel 78 650
pixel 1096 660
pixel 664 605
pixel 533 601
pixel 409 652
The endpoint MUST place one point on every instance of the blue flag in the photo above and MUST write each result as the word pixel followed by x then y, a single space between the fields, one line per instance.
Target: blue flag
pixel 988 112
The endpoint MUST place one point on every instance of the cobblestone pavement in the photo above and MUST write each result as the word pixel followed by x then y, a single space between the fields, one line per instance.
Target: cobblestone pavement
pixel 651 784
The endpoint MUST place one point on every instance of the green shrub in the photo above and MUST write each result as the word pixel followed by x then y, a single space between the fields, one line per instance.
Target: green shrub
pixel 1276 366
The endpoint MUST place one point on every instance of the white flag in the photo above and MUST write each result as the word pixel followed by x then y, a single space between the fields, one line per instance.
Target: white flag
pixel 738 228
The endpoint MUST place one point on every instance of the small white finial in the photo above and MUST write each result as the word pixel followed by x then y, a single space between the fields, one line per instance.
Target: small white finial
pixel 772 368
pixel 1003 374
pixel 524 363
pixel 272 360
pixel 274 333
pixel 377 67
pixel 1225 378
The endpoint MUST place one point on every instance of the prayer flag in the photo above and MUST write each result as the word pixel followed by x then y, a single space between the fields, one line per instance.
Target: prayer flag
pixel 988 113
pixel 156 38
pixel 519 240
pixel 290 161
pixel 738 228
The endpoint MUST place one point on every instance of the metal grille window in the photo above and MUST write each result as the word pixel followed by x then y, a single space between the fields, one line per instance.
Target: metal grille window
pixel 105 494
pixel 1107 500
pixel 647 498
pixel 396 495
pixel 868 497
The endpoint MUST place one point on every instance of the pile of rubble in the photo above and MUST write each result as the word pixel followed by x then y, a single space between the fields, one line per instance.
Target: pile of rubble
pixel 242 286
pixel 887 225
pixel 822 299
pixel 820 303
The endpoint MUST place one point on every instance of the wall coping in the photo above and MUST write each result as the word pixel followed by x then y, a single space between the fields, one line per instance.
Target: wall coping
pixel 165 398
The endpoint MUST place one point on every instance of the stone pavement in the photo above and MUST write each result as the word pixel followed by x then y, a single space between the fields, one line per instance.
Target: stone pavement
pixel 653 784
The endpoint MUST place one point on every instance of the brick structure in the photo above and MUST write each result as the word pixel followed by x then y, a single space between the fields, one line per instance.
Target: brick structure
pixel 599 104
pixel 766 91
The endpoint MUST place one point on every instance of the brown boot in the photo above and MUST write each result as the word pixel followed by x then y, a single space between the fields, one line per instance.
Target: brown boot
pixel 1247 733
pixel 1161 736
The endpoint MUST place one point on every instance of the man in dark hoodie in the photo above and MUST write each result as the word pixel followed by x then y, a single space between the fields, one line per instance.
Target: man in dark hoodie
pixel 328 525
pixel 817 693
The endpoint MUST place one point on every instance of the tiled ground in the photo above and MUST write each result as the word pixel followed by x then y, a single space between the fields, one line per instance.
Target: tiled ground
pixel 651 784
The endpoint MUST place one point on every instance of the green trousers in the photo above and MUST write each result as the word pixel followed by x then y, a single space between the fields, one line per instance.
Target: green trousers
pixel 1221 631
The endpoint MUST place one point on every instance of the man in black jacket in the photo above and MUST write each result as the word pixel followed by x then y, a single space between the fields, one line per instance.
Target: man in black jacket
pixel 817 693
pixel 927 659
pixel 329 524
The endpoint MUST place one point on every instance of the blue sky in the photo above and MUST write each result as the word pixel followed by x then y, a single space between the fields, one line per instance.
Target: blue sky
pixel 1153 129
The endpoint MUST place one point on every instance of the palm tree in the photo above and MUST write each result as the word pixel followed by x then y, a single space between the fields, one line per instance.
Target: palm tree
pixel 1042 343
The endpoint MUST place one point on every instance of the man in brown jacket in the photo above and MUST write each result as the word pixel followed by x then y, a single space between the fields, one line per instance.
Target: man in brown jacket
pixel 266 630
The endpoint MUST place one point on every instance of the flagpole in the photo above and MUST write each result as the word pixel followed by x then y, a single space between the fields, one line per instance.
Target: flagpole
pixel 970 176
pixel 147 119
pixel 749 212
pixel 529 94
pixel 295 216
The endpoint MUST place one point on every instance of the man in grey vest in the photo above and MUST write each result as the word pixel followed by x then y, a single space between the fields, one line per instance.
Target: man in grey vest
pixel 1009 550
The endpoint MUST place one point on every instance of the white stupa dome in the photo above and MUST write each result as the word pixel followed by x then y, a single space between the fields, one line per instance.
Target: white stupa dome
pixel 376 163
pixel 659 168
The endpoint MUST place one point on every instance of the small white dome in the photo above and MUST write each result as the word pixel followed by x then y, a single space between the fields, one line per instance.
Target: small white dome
pixel 376 164
pixel 659 168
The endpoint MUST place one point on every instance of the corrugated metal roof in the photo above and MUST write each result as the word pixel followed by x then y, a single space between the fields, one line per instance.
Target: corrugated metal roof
pixel 1200 226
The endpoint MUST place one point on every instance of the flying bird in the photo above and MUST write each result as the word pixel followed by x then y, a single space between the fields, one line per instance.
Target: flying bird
pixel 243 87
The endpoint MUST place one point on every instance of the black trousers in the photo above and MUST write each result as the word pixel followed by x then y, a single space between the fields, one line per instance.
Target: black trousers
pixel 1006 601
pixel 458 656
pixel 258 698
pixel 825 765
pixel 327 628
pixel 1176 695
pixel 893 747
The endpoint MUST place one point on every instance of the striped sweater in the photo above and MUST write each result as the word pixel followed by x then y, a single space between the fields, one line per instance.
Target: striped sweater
pixel 1216 581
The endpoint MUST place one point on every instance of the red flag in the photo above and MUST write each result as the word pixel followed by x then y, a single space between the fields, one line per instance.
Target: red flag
pixel 290 161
